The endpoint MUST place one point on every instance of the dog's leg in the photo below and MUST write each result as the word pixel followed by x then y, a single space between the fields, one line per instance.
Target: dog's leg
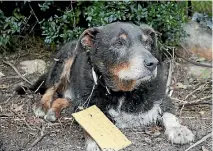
pixel 90 144
pixel 57 106
pixel 40 108
pixel 45 103
pixel 176 132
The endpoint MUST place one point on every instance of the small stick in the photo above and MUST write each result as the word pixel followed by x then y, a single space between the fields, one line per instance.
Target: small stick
pixel 39 87
pixel 33 13
pixel 183 105
pixel 196 101
pixel 193 92
pixel 202 118
pixel 19 116
pixel 16 70
pixel 7 99
pixel 41 136
pixel 179 100
pixel 200 141
pixel 38 139
pixel 169 78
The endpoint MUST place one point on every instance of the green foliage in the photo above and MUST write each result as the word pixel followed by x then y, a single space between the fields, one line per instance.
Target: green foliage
pixel 61 28
pixel 45 6
pixel 69 22
pixel 202 7
pixel 10 26
pixel 166 17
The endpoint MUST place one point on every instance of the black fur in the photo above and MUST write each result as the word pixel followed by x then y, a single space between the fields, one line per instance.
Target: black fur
pixel 101 57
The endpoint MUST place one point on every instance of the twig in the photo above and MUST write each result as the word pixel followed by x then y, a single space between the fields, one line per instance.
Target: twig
pixel 186 102
pixel 26 21
pixel 194 91
pixel 16 70
pixel 33 12
pixel 196 101
pixel 202 118
pixel 200 141
pixel 39 87
pixel 169 78
pixel 40 137
pixel 10 77
pixel 194 62
pixel 37 21
pixel 8 99
pixel 23 120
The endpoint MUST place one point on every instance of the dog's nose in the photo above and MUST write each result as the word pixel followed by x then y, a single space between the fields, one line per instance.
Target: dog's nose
pixel 151 63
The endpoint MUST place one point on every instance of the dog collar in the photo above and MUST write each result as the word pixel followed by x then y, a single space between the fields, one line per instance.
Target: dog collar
pixel 95 79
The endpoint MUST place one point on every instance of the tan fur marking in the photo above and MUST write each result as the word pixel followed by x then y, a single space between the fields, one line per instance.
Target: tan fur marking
pixel 66 71
pixel 116 69
pixel 124 85
pixel 65 75
pixel 123 36
pixel 60 104
pixel 47 98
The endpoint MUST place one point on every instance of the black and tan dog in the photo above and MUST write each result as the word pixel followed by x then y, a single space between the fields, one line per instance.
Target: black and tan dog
pixel 118 68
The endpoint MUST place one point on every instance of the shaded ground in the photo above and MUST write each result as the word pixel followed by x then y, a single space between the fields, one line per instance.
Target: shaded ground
pixel 20 130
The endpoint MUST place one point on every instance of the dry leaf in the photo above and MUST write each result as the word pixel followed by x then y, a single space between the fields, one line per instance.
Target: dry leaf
pixel 4 86
pixel 1 74
pixel 180 86
pixel 202 112
pixel 204 148
pixel 17 108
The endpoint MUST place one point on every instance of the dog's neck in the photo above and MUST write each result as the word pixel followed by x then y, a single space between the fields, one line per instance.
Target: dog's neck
pixel 96 74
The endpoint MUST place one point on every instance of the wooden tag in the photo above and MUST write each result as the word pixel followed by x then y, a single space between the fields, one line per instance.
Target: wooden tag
pixel 101 129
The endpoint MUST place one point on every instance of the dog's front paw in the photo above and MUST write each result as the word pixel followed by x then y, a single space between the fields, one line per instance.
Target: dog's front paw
pixel 38 111
pixel 50 116
pixel 92 147
pixel 179 135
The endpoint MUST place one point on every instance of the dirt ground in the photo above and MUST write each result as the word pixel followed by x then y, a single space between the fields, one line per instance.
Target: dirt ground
pixel 20 130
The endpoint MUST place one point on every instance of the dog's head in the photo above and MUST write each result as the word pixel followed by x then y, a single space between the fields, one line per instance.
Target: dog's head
pixel 125 54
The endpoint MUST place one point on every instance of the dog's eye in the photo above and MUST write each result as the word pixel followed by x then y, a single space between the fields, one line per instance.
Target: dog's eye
pixel 120 42
pixel 147 43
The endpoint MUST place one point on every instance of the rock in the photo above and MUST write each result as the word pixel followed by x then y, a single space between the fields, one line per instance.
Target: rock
pixel 33 66
pixel 203 19
pixel 199 72
pixel 199 40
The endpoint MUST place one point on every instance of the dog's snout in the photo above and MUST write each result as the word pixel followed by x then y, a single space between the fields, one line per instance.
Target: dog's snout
pixel 151 63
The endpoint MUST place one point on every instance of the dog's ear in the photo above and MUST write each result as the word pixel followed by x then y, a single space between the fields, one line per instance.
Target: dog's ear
pixel 86 39
pixel 151 33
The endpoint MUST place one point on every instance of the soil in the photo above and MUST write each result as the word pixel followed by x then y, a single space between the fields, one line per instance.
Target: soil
pixel 21 130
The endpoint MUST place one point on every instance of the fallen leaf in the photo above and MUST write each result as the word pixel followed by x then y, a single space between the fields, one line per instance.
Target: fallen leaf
pixel 204 148
pixel 202 112
pixel 180 86
pixel 1 74
pixel 17 108
pixel 4 86
pixel 201 59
